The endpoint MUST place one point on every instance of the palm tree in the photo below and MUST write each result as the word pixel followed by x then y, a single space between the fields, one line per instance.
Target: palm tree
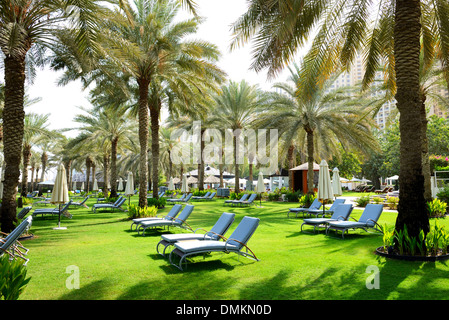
pixel 322 119
pixel 35 127
pixel 148 47
pixel 106 127
pixel 235 108
pixel 26 30
pixel 283 26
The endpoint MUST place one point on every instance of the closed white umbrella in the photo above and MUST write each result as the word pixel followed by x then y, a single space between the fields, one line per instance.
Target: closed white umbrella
pixel 260 187
pixel 325 191
pixel 82 186
pixel 74 185
pixel 60 194
pixel 336 183
pixel 185 187
pixel 95 187
pixel 120 184
pixel 129 189
pixel 171 185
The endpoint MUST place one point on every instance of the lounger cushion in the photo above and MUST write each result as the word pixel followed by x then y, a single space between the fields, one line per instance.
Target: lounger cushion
pixel 184 236
pixel 204 246
pixel 317 220
pixel 349 224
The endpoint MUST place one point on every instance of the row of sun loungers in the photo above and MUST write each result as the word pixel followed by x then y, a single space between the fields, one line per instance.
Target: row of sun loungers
pixel 195 243
pixel 10 244
pixel 243 201
pixel 340 215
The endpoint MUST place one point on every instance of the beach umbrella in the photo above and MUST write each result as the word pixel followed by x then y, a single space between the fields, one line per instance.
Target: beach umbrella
pixel 82 186
pixel 60 194
pixel 260 187
pixel 325 191
pixel 185 187
pixel 120 184
pixel 171 185
pixel 129 189
pixel 95 187
pixel 74 185
pixel 336 183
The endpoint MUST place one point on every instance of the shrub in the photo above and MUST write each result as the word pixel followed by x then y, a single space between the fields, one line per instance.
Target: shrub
pixel 436 208
pixel 158 203
pixel 392 202
pixel 13 280
pixel 378 200
pixel 293 196
pixel 134 211
pixel 306 200
pixel 362 201
pixel 443 195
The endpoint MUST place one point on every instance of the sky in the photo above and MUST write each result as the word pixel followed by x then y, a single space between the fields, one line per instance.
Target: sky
pixel 62 102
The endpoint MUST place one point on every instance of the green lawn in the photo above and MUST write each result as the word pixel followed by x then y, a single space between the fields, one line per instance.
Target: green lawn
pixel 116 263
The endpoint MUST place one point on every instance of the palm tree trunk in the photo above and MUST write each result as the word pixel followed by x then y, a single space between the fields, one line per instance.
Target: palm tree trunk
pixel 13 126
pixel 88 165
pixel 412 207
pixel 105 174
pixel 310 152
pixel 114 143
pixel 290 160
pixel 143 140
pixel 236 164
pixel 154 115
pixel 26 163
pixel 201 163
pixel 44 158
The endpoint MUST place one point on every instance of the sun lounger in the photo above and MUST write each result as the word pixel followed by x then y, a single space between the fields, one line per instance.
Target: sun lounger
pixel 248 202
pixel 81 204
pixel 180 221
pixel 235 243
pixel 98 205
pixel 185 200
pixel 177 199
pixel 169 216
pixel 341 213
pixel 201 197
pixel 317 212
pixel 24 212
pixel 54 211
pixel 117 205
pixel 216 233
pixel 209 197
pixel 243 198
pixel 11 245
pixel 316 204
pixel 368 220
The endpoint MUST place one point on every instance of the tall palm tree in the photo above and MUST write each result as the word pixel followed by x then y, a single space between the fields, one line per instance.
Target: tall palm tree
pixel 322 119
pixel 147 45
pixel 26 30
pixel 236 109
pixel 35 127
pixel 281 27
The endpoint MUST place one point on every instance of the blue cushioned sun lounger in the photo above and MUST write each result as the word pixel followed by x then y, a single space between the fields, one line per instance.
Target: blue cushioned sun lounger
pixel 341 212
pixel 243 198
pixel 316 204
pixel 317 212
pixel 368 220
pixel 216 233
pixel 117 205
pixel 235 243
pixel 180 221
pixel 11 245
pixel 169 216
pixel 54 211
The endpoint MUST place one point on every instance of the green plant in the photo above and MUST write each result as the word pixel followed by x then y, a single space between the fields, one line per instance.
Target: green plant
pixel 443 194
pixel 293 196
pixel 387 237
pixel 155 202
pixel 436 208
pixel 134 211
pixel 307 199
pixel 273 196
pixel 392 202
pixel 362 201
pixel 13 278
pixel 377 200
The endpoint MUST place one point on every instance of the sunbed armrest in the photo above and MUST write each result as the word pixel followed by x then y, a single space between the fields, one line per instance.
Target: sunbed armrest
pixel 242 245
pixel 184 222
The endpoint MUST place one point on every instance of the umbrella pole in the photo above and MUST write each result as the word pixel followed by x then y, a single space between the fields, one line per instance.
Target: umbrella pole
pixel 59 214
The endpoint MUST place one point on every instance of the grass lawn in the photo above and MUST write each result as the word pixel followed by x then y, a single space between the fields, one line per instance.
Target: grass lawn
pixel 116 263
